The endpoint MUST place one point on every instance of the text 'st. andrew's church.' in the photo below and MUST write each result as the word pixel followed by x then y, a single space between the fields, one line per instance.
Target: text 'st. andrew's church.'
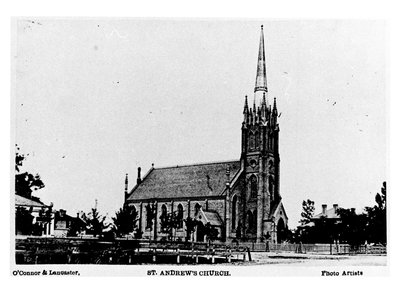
pixel 240 198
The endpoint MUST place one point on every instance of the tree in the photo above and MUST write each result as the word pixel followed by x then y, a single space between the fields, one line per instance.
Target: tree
pixel 210 232
pixel 77 226
pixel 376 218
pixel 95 222
pixel 25 183
pixel 191 225
pixel 351 228
pixel 308 211
pixel 23 221
pixel 126 220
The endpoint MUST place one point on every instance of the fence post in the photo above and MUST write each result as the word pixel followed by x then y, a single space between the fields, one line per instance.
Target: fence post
pixel 248 252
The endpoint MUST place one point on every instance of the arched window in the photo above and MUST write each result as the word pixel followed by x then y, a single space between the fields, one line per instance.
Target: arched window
pixel 164 217
pixel 163 210
pixel 251 141
pixel 234 207
pixel 197 209
pixel 149 216
pixel 281 231
pixel 179 216
pixel 133 213
pixel 271 186
pixel 253 186
pixel 256 139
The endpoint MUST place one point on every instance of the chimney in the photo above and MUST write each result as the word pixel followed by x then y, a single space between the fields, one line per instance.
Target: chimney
pixel 335 207
pixel 139 179
pixel 324 209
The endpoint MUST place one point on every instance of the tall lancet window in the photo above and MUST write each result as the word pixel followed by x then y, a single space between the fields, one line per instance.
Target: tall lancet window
pixel 249 216
pixel 253 186
pixel 234 208
pixel 271 142
pixel 271 186
pixel 164 217
pixel 251 141
pixel 133 212
pixel 149 216
pixel 179 216
pixel 256 139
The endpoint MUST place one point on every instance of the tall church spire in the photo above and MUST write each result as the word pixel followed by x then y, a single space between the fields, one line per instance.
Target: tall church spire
pixel 261 77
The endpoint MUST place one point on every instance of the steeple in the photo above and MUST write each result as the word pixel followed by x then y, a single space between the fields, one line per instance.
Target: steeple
pixel 261 77
pixel 246 106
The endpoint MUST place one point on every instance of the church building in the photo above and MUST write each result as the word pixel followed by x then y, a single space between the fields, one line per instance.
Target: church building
pixel 240 199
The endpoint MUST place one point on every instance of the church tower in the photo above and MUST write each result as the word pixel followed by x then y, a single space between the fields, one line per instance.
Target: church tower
pixel 260 157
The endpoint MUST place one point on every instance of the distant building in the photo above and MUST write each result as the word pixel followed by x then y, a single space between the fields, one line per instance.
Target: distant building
pixel 33 211
pixel 327 214
pixel 240 198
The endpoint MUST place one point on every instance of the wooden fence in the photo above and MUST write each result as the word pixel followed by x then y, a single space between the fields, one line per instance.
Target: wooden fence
pixel 47 250
pixel 315 248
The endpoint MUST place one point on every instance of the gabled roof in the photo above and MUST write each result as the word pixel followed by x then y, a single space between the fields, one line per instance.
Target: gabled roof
pixel 276 208
pixel 209 217
pixel 27 202
pixel 200 180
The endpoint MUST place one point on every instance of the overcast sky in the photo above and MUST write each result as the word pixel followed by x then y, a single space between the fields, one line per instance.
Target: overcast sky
pixel 96 98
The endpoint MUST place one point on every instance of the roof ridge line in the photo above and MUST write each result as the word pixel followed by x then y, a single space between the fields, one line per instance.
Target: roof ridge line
pixel 196 164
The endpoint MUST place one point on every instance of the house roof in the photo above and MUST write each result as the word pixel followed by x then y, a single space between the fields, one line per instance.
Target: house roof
pixel 208 179
pixel 329 214
pixel 62 217
pixel 27 202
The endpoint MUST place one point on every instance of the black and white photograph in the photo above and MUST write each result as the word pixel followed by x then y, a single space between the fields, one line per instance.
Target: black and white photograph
pixel 210 147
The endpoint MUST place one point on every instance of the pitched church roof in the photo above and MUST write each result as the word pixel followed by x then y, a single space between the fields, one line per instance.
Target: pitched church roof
pixel 198 180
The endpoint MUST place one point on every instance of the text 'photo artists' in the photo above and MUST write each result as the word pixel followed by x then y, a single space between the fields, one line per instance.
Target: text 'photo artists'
pixel 199 142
